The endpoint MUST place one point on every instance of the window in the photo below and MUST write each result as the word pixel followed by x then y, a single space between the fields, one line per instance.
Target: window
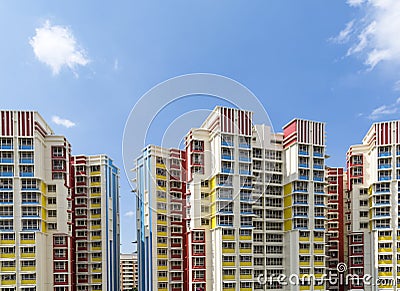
pixel 59 240
pixel 198 236
pixel 6 197
pixel 30 225
pixel 60 278
pixel 58 165
pixel 52 213
pixel 58 151
pixel 59 265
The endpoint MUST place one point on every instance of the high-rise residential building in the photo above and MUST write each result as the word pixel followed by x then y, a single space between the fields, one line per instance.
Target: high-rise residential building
pixel 96 223
pixel 373 212
pixel 336 227
pixel 160 213
pixel 35 200
pixel 128 272
pixel 304 201
pixel 253 206
pixel 37 185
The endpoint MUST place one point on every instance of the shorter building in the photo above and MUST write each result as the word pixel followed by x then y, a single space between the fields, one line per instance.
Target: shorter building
pixel 128 271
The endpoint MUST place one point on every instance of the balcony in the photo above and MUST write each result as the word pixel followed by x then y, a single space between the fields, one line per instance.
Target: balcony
pixel 6 174
pixel 384 178
pixel 6 161
pixel 244 172
pixel 384 154
pixel 244 159
pixel 227 143
pixel 318 179
pixel 26 174
pixel 6 147
pixel 227 157
pixel 384 166
pixel 318 154
pixel 303 153
pixel 26 161
pixel 303 177
pixel 26 147
pixel 244 145
pixel 227 170
pixel 305 166
pixel 318 167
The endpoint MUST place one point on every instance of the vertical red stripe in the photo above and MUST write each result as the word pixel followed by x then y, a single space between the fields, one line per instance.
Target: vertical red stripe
pixel 232 113
pixel 228 121
pixel 19 122
pixel 222 119
pixel 240 119
pixel 12 123
pixel 2 122
pixel 8 123
pixel 225 120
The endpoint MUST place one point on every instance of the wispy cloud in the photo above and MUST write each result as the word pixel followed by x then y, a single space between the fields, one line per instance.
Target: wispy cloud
pixel 396 86
pixel 116 65
pixel 56 47
pixel 355 2
pixel 344 35
pixel 374 36
pixel 385 110
pixel 129 214
pixel 64 122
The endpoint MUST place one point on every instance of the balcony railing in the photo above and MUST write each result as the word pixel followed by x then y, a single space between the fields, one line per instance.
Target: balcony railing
pixel 227 157
pixel 227 170
pixel 6 147
pixel 227 143
pixel 26 147
pixel 384 166
pixel 384 154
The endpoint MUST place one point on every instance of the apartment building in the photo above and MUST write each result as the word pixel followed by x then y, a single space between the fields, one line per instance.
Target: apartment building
pixel 305 201
pixel 336 227
pixel 37 206
pixel 253 205
pixel 372 211
pixel 128 272
pixel 96 223
pixel 160 179
pixel 35 229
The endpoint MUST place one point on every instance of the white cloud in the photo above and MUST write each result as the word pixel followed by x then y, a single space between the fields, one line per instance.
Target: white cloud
pixel 355 2
pixel 344 35
pixel 396 86
pixel 129 214
pixel 385 110
pixel 56 47
pixel 64 122
pixel 374 36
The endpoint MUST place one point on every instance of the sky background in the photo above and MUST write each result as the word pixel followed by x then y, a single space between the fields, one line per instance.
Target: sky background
pixel 84 64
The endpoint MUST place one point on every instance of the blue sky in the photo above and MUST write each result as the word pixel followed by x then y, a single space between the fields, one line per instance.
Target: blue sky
pixel 332 61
